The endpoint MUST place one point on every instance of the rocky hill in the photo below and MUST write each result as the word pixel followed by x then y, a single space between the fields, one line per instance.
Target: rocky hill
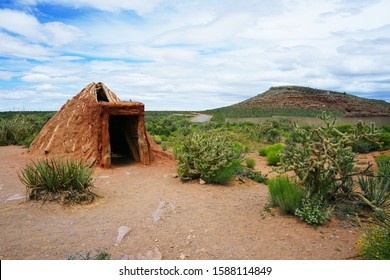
pixel 305 98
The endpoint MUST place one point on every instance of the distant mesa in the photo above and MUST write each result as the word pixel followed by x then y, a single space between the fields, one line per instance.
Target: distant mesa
pixel 305 98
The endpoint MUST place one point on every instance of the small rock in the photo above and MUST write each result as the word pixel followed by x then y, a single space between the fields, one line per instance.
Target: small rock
pixel 151 255
pixel 122 231
pixel 182 256
pixel 175 175
pixel 157 212
pixel 202 182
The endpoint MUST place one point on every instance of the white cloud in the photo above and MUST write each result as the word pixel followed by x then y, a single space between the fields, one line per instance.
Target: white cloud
pixel 198 54
pixel 31 30
pixel 14 47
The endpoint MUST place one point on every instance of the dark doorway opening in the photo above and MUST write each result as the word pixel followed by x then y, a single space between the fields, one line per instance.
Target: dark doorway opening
pixel 123 139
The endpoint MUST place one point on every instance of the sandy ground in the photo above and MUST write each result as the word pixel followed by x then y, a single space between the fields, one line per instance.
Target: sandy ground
pixel 168 219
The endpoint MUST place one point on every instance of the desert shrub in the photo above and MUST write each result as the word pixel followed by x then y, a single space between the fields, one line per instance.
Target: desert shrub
pixel 272 153
pixel 263 151
pixel 250 163
pixel 384 138
pixel 209 156
pixel 313 211
pixel 322 158
pixel 16 129
pixel 365 147
pixel 374 242
pixel 164 147
pixel 99 256
pixel 225 174
pixel 273 158
pixel 272 136
pixel 376 190
pixel 57 179
pixel 253 175
pixel 383 164
pixel 285 194
pixel 156 139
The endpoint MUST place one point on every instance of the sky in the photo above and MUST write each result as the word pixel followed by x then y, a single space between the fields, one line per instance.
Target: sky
pixel 189 55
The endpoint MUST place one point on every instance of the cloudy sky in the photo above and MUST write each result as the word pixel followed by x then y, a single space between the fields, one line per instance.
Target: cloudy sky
pixel 190 55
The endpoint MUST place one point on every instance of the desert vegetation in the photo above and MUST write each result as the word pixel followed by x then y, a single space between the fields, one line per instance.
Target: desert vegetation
pixel 20 128
pixel 57 179
pixel 321 160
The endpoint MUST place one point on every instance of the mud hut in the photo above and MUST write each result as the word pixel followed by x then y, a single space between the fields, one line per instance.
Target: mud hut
pixel 98 127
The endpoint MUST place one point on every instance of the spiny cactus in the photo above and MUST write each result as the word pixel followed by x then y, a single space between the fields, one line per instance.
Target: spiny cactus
pixel 322 158
pixel 209 156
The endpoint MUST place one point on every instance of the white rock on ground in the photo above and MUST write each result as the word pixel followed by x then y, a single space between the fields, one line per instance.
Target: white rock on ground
pixel 122 231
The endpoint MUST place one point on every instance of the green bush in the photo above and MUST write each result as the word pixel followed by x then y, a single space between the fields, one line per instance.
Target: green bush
pixel 15 130
pixel 279 147
pixel 383 164
pixel 99 256
pixel 313 211
pixel 374 243
pixel 273 158
pixel 250 163
pixel 263 151
pixel 272 153
pixel 384 138
pixel 365 147
pixel 285 194
pixel 272 136
pixel 252 175
pixel 60 180
pixel 209 156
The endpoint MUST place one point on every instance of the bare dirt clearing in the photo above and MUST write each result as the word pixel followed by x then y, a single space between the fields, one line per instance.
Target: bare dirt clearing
pixel 168 219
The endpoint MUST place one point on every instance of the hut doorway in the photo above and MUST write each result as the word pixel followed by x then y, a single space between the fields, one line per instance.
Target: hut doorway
pixel 123 133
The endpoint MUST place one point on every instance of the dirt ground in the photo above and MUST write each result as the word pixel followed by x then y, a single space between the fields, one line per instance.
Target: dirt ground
pixel 167 219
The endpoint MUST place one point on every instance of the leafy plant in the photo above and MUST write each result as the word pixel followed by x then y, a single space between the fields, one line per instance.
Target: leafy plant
pixel 374 242
pixel 285 194
pixel 273 158
pixel 250 163
pixel 263 151
pixel 57 179
pixel 209 156
pixel 18 128
pixel 383 164
pixel 99 256
pixel 376 190
pixel 313 211
pixel 272 153
pixel 253 175
pixel 272 136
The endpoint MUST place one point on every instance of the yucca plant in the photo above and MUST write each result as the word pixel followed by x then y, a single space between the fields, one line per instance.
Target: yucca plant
pixel 58 179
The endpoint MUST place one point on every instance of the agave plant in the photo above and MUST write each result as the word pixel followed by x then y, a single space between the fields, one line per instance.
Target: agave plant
pixel 376 190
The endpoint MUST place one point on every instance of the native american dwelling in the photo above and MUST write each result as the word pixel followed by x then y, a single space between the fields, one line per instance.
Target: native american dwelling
pixel 98 127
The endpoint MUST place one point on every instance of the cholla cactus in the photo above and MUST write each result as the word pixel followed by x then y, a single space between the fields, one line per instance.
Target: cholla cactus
pixel 322 158
pixel 208 156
